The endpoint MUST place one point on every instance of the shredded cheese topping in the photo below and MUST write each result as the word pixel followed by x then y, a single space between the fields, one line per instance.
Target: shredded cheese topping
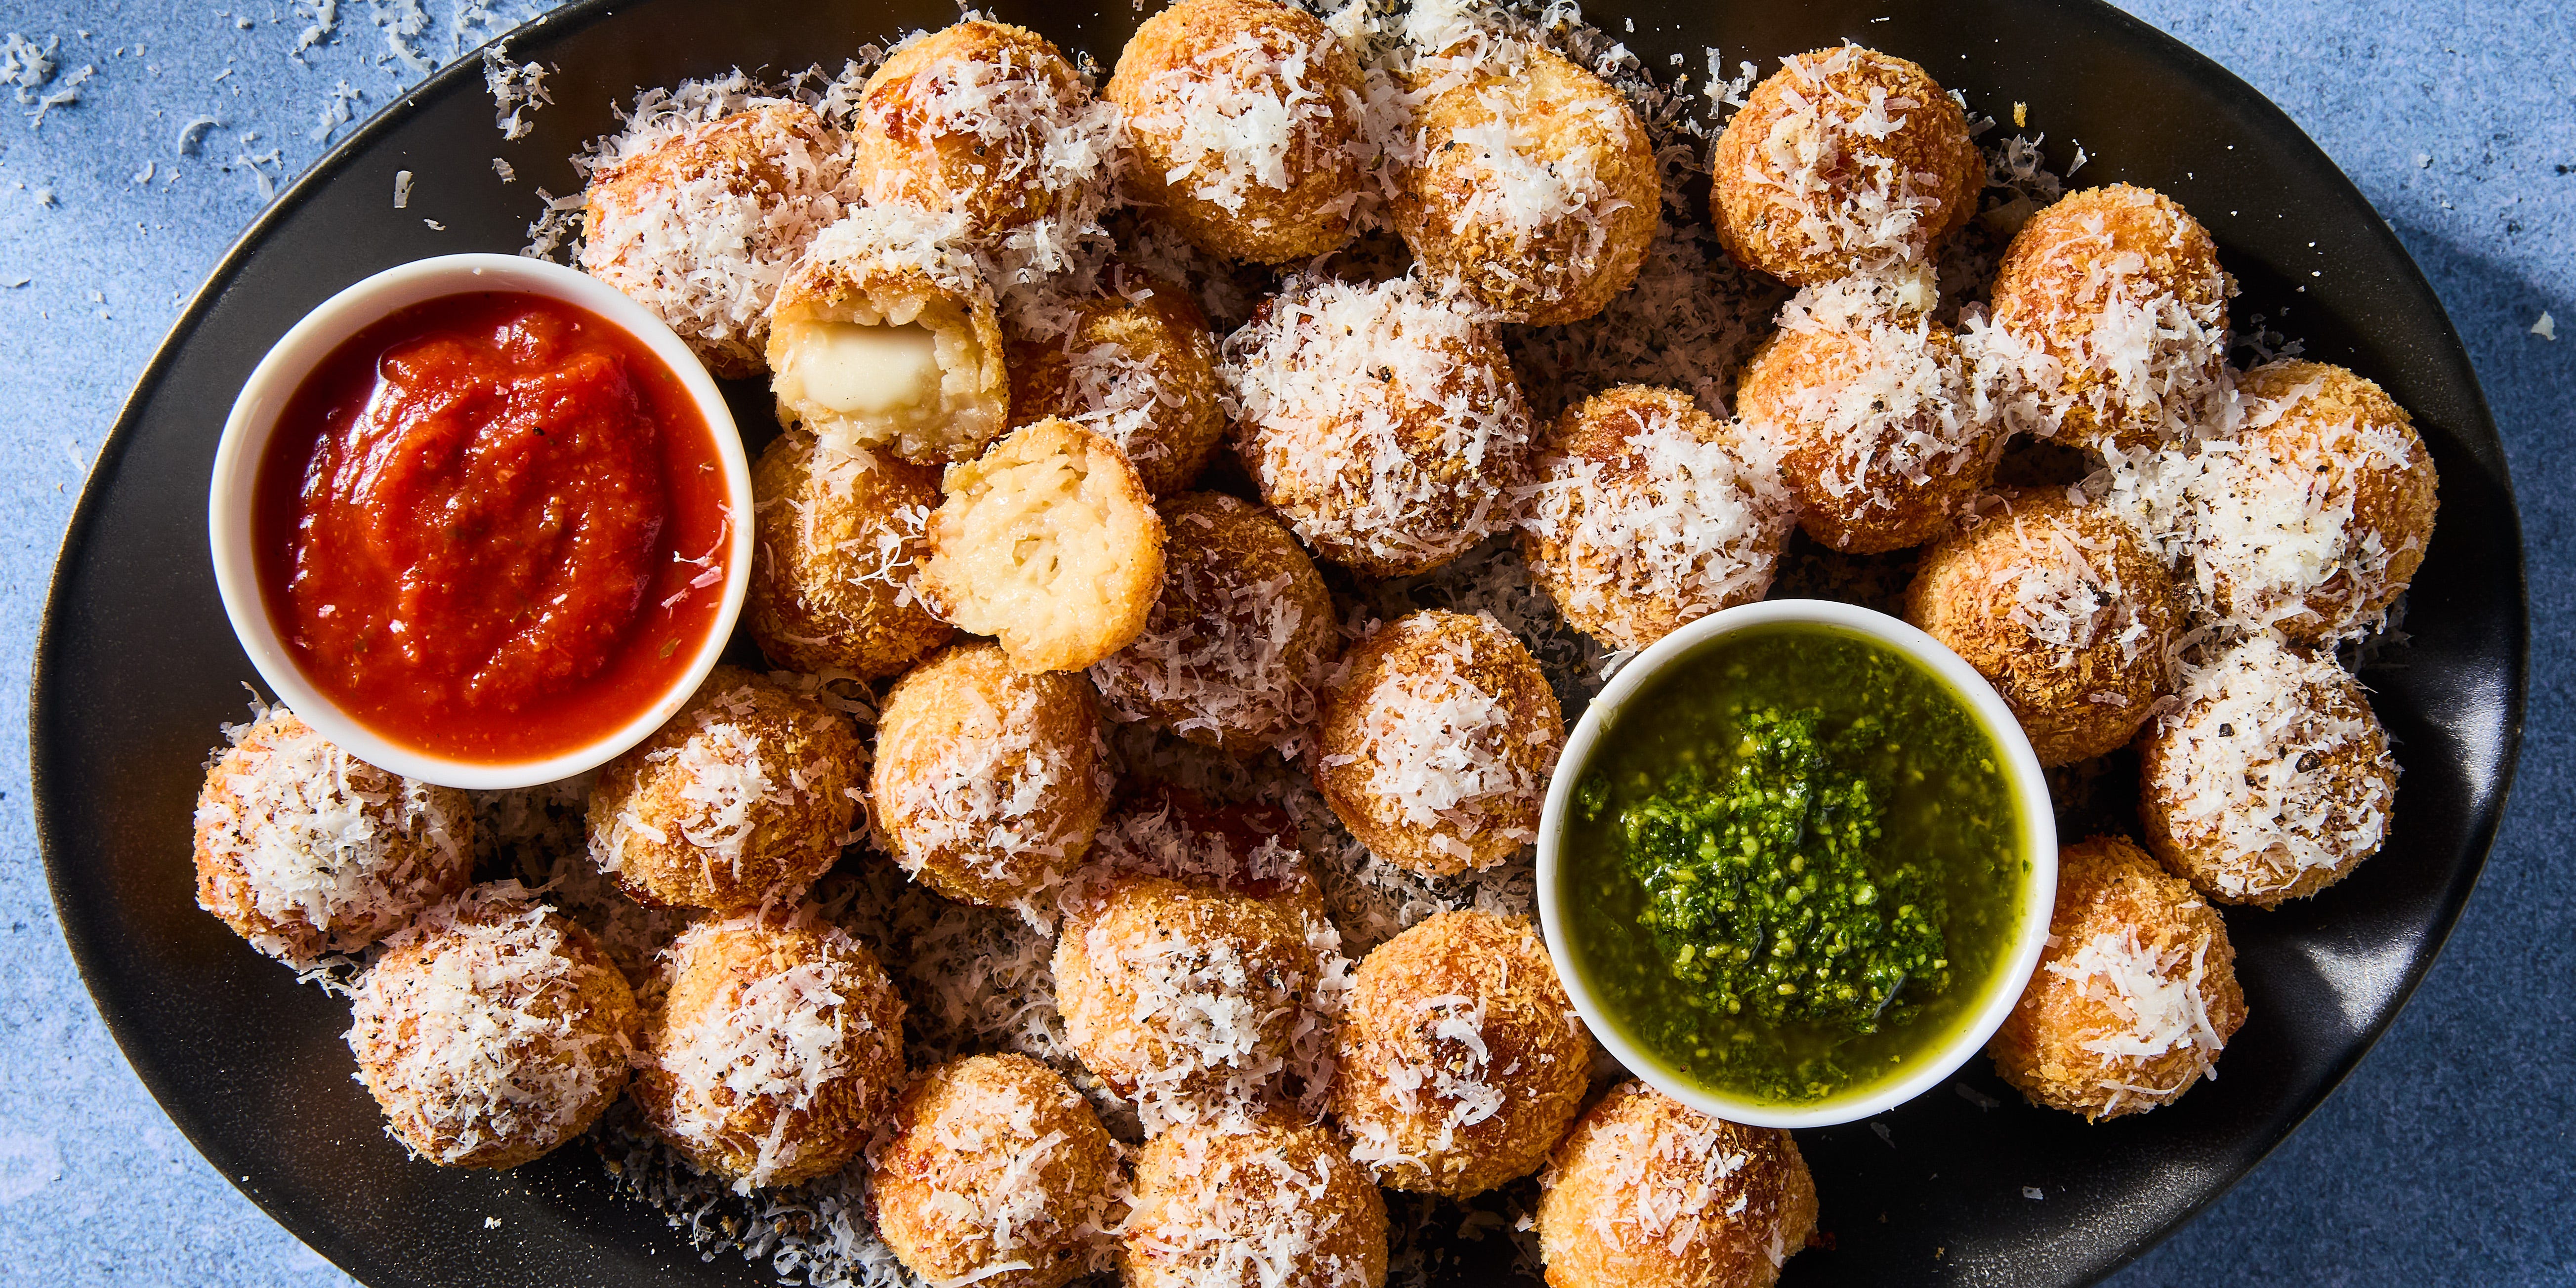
pixel 2158 1007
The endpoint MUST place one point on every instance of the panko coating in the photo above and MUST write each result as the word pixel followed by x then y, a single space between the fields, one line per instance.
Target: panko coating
pixel 995 1171
pixel 699 221
pixel 1184 998
pixel 742 799
pixel 2271 781
pixel 1382 422
pixel 776 1050
pixel 2064 610
pixel 1649 514
pixel 1844 160
pixel 1048 542
pixel 1273 1203
pixel 839 537
pixel 1436 743
pixel 2116 310
pixel 1528 182
pixel 986 120
pixel 1138 367
pixel 1246 848
pixel 885 336
pixel 2314 517
pixel 1234 652
pixel 491 1030
pixel 989 780
pixel 1241 122
pixel 2134 997
pixel 1649 1193
pixel 1461 1060
pixel 1879 434
pixel 305 850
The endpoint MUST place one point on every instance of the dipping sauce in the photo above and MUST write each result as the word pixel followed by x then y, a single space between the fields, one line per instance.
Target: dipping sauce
pixel 492 527
pixel 1793 862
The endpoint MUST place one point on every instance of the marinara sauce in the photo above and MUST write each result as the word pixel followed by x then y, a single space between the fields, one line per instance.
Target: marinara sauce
pixel 492 527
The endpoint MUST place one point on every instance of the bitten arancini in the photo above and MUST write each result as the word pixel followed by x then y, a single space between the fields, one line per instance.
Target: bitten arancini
pixel 2134 997
pixel 1646 1192
pixel 775 1051
pixel 2313 518
pixel 741 799
pixel 491 1030
pixel 1649 514
pixel 1235 650
pixel 1050 543
pixel 838 539
pixel 985 120
pixel 775 174
pixel 1241 121
pixel 995 1171
pixel 2270 781
pixel 1460 1059
pixel 2064 610
pixel 1844 160
pixel 2112 305
pixel 1136 366
pixel 1436 743
pixel 1271 1203
pixel 1527 182
pixel 988 780
pixel 305 850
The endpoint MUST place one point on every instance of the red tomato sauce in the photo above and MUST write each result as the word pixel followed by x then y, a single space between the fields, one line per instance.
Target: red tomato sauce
pixel 492 527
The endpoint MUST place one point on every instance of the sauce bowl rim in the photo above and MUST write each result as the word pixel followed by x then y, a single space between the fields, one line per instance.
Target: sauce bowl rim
pixel 253 423
pixel 2038 888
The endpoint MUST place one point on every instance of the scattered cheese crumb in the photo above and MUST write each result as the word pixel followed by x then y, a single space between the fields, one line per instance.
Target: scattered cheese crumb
pixel 2545 328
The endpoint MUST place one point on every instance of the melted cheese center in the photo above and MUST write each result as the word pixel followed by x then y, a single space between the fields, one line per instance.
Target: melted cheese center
pixel 863 370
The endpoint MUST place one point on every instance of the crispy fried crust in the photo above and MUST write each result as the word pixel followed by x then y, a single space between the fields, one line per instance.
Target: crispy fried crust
pixel 2074 703
pixel 1206 1199
pixel 1646 1193
pixel 963 1185
pixel 1561 265
pixel 904 149
pixel 1411 1085
pixel 809 762
pixel 1139 367
pixel 838 539
pixel 2108 886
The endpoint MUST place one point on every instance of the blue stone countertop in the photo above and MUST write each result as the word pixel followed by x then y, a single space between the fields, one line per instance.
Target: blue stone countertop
pixel 2446 1158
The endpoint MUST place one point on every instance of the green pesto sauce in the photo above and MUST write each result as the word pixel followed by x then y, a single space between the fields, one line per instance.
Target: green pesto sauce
pixel 1793 861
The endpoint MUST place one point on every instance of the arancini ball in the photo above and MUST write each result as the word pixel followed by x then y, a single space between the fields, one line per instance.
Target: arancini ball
pixel 985 120
pixel 838 539
pixel 1646 1192
pixel 995 1171
pixel 1267 1204
pixel 1136 366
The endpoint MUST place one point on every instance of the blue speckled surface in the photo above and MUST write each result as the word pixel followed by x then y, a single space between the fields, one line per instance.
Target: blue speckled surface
pixel 2446 1158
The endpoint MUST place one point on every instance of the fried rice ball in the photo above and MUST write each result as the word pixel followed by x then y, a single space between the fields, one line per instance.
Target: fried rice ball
pixel 742 799
pixel 2271 781
pixel 1382 422
pixel 2063 609
pixel 986 120
pixel 2314 518
pixel 995 1171
pixel 1879 436
pixel 776 1050
pixel 1273 1202
pixel 1650 514
pixel 305 850
pixel 1235 649
pixel 1529 183
pixel 771 176
pixel 1241 121
pixel 491 1030
pixel 839 538
pixel 1649 1193
pixel 989 780
pixel 1460 1059
pixel 2133 999
pixel 1049 542
pixel 1842 161
pixel 1184 998
pixel 1436 743
pixel 885 336
pixel 1138 367
pixel 2116 308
